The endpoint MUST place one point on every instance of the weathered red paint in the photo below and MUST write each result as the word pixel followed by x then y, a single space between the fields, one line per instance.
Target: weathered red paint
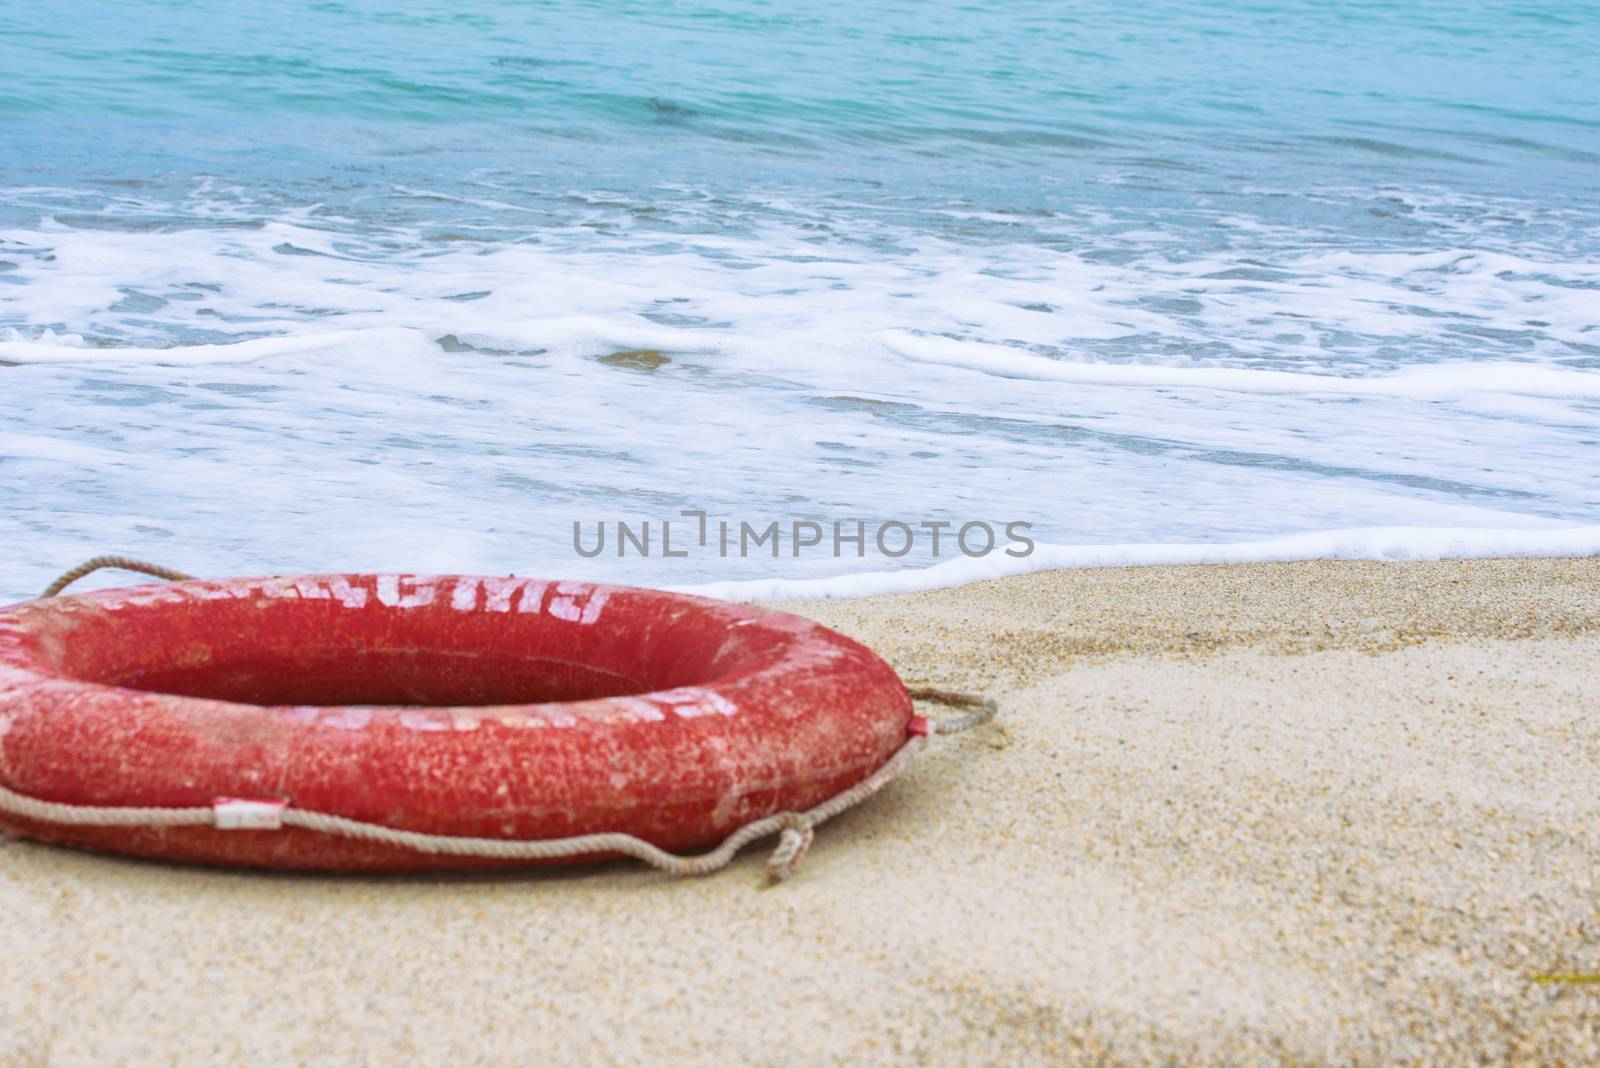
pixel 502 708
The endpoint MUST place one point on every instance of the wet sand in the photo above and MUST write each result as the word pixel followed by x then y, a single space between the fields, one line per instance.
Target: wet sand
pixel 1318 813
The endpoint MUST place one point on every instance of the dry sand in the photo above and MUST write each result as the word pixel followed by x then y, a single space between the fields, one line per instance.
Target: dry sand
pixel 1320 813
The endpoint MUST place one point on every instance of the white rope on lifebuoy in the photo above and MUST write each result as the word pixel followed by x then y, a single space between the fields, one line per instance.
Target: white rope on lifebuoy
pixel 795 829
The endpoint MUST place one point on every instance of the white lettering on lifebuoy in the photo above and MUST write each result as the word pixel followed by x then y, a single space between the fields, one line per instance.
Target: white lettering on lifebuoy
pixel 335 587
pixel 499 594
pixel 533 598
pixel 692 703
pixel 154 595
pixel 346 719
pixel 577 603
pixel 406 591
pixel 640 711
pixel 217 591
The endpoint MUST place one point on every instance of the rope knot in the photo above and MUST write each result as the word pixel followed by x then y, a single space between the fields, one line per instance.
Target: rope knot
pixel 794 841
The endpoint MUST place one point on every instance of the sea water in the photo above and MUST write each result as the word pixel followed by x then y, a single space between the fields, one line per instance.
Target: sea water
pixel 360 285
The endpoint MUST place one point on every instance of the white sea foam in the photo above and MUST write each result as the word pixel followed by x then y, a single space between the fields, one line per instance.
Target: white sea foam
pixel 46 338
pixel 1431 382
pixel 391 340
pixel 310 393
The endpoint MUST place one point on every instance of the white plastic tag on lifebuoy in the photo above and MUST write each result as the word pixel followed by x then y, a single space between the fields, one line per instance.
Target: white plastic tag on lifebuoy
pixel 248 813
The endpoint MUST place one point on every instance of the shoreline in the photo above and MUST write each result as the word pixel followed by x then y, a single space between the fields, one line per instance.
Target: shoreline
pixel 1375 544
pixel 1315 812
pixel 1410 544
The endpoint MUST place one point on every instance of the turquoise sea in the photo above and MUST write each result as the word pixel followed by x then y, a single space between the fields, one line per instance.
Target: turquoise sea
pixel 343 284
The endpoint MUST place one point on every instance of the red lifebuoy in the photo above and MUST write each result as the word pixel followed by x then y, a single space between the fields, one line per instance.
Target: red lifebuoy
pixel 501 708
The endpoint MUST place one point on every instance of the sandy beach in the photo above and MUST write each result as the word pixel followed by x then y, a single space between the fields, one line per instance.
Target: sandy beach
pixel 1309 813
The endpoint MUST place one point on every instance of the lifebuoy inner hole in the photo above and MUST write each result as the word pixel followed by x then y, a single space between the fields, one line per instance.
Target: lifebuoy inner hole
pixel 415 677
pixel 305 652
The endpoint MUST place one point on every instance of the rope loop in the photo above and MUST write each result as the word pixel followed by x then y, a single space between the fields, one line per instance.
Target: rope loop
pixel 124 563
pixel 983 709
